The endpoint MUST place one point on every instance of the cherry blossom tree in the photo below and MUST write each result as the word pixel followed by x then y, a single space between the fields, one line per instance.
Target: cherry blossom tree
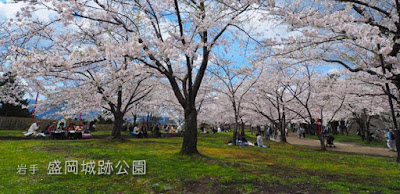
pixel 271 98
pixel 361 36
pixel 365 97
pixel 329 96
pixel 234 84
pixel 79 68
pixel 302 88
pixel 175 38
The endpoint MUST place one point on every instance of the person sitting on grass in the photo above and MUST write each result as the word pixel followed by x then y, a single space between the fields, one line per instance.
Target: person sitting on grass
pixel 260 142
pixel 243 141
pixel 136 131
pixel 62 124
pixel 143 131
pixel 71 127
pixel 33 130
pixel 78 128
pixel 172 130
pixel 51 128
pixel 71 133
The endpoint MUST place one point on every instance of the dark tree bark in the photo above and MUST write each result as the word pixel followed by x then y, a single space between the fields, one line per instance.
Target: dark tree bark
pixel 134 120
pixel 189 146
pixel 314 128
pixel 118 122
pixel 235 132
pixel 242 128
pixel 283 126
pixel 322 142
pixel 334 127
pixel 363 120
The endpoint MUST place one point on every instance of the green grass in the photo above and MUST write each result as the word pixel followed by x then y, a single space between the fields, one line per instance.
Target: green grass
pixel 221 168
pixel 354 139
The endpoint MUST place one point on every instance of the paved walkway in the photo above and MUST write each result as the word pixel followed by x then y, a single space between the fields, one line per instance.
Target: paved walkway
pixel 343 147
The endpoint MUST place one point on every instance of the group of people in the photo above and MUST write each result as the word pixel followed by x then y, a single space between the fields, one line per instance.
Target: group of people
pixel 171 129
pixel 301 132
pixel 141 131
pixel 61 130
pixel 269 132
pixel 215 129
pixel 242 141
pixel 138 132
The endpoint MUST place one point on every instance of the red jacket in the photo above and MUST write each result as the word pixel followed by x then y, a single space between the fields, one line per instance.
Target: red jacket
pixel 70 128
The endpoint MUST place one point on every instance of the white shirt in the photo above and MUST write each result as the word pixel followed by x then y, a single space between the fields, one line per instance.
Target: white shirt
pixel 33 128
pixel 136 129
pixel 259 141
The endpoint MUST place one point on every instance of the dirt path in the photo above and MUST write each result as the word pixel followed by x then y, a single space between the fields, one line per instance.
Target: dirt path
pixel 343 147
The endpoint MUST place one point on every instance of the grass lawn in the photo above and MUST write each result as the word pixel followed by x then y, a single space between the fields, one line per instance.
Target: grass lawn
pixel 354 139
pixel 282 168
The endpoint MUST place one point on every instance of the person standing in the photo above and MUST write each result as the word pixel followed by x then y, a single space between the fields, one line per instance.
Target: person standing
pixel 390 140
pixel 203 129
pixel 303 131
pixel 263 130
pixel 299 132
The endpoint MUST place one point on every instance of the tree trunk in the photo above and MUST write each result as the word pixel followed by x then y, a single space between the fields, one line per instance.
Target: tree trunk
pixel 283 127
pixel 134 119
pixel 235 131
pixel 147 120
pixel 397 140
pixel 322 141
pixel 118 122
pixel 367 132
pixel 361 132
pixel 283 134
pixel 242 128
pixel 321 138
pixel 189 145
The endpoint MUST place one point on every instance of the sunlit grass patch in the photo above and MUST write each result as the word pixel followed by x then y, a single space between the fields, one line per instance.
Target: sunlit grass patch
pixel 220 167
